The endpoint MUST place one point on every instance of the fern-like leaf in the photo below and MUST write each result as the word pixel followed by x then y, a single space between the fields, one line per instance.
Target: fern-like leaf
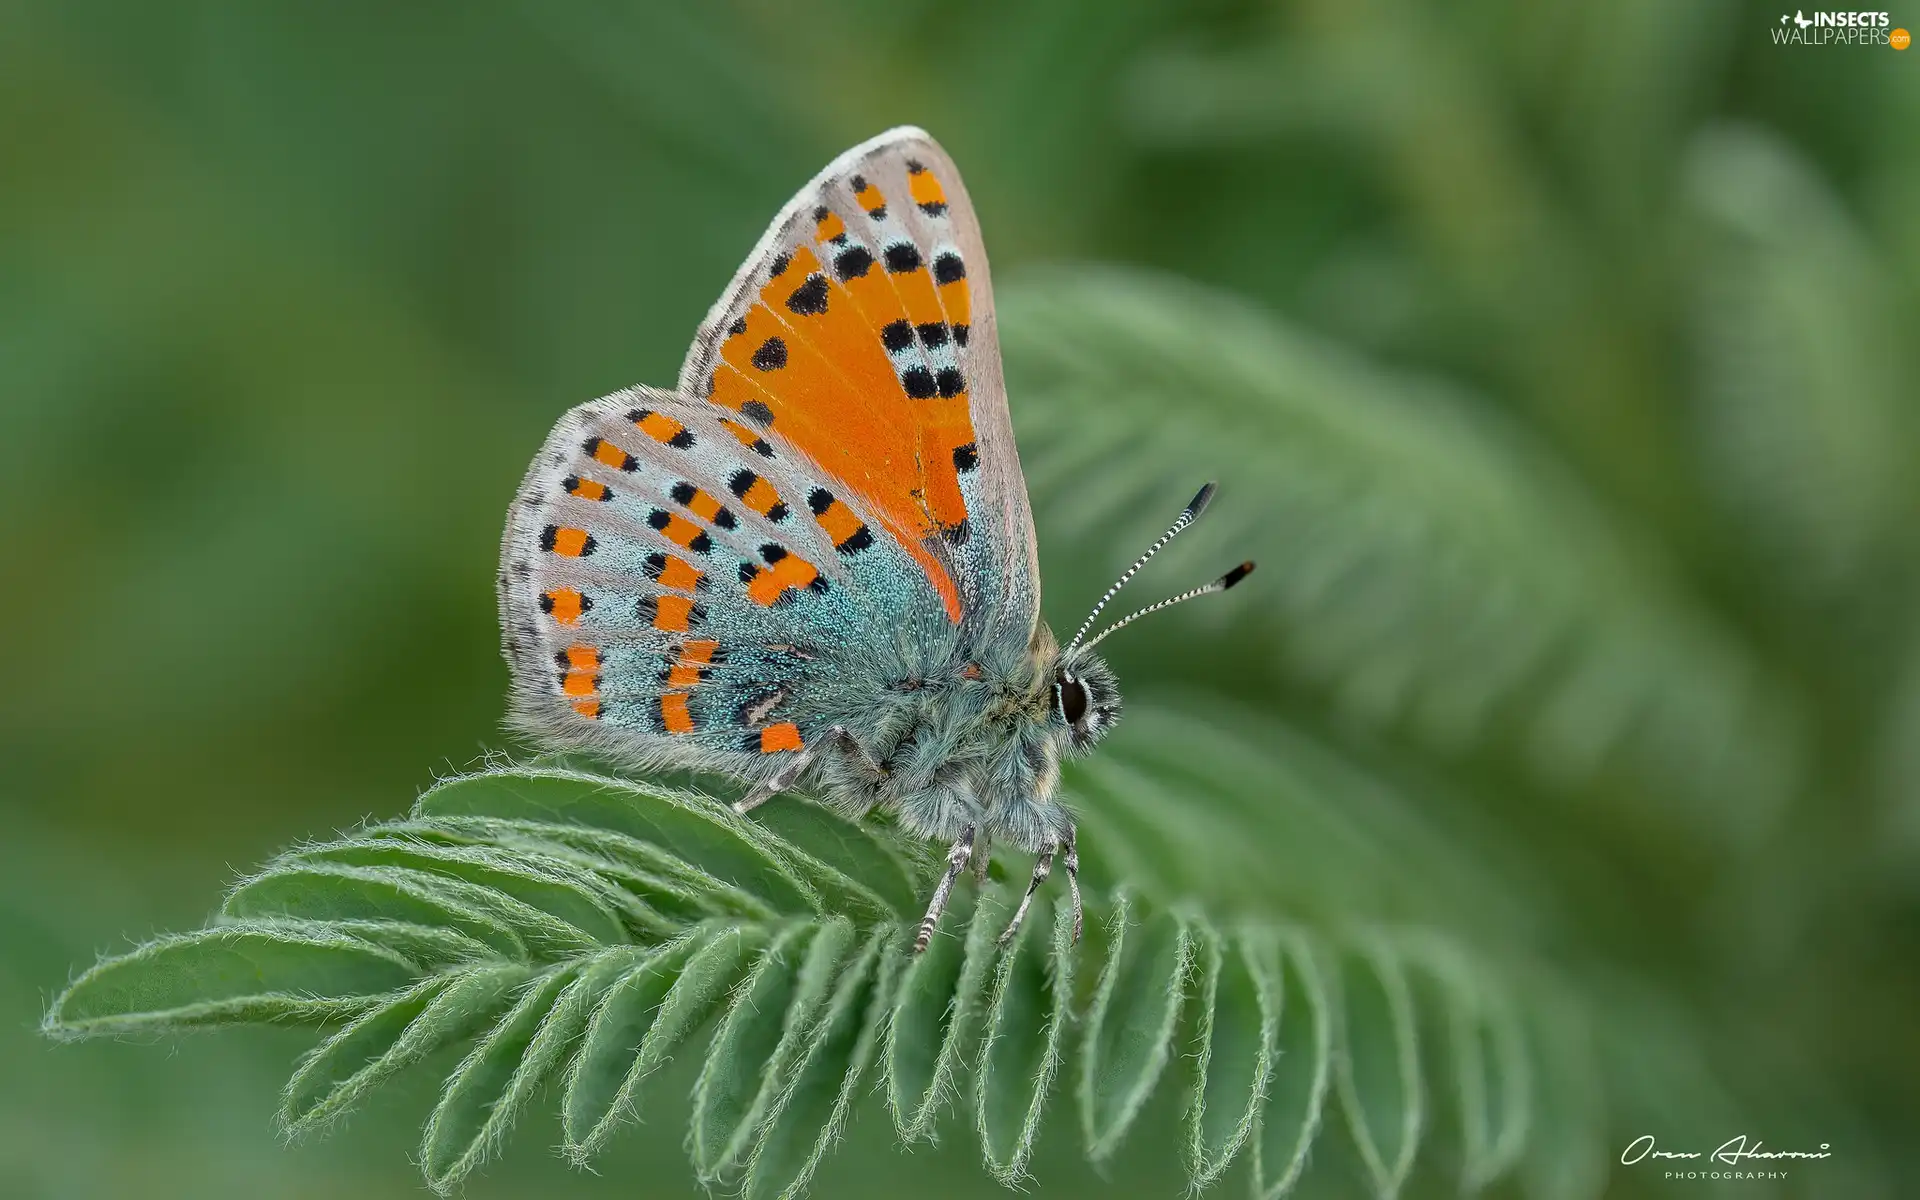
pixel 1440 574
pixel 576 930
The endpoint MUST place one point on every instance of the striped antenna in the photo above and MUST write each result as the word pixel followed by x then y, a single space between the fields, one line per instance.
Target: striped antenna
pixel 1219 585
pixel 1188 516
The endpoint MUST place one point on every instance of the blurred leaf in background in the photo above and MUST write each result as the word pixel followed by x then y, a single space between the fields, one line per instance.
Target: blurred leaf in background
pixel 1551 358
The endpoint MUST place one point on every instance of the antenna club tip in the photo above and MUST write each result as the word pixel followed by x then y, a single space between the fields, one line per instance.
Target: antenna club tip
pixel 1200 500
pixel 1236 575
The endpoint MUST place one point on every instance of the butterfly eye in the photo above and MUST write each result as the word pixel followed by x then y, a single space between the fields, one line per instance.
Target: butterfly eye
pixel 1073 699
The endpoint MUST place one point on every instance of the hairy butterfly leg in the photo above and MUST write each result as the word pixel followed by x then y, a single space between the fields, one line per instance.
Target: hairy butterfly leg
pixel 1042 866
pixel 957 856
pixel 1072 864
pixel 790 773
pixel 982 858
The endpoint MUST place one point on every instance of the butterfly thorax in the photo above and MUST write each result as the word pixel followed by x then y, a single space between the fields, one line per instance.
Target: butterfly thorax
pixel 977 742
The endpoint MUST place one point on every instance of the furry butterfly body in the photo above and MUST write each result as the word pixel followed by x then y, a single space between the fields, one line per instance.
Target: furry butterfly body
pixel 813 561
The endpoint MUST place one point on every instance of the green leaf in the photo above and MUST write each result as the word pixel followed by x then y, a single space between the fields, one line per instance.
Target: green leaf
pixel 1239 1010
pixel 232 974
pixel 487 1091
pixel 1289 967
pixel 624 1010
pixel 680 892
pixel 1025 1039
pixel 1377 1075
pixel 428 948
pixel 766 1030
pixel 937 1008
pixel 546 884
pixel 341 1071
pixel 642 1018
pixel 1809 424
pixel 332 892
pixel 1444 573
pixel 1474 1052
pixel 854 851
pixel 806 1117
pixel 1564 1159
pixel 1131 1025
pixel 696 829
pixel 425 933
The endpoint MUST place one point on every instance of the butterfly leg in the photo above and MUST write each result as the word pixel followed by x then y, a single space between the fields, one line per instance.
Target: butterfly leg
pixel 982 858
pixel 1072 864
pixel 1042 866
pixel 786 776
pixel 957 856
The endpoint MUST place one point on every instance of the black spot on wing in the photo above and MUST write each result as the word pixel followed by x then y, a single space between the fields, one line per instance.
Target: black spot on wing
pixel 948 268
pixel 852 263
pixel 903 257
pixel 896 336
pixel 757 412
pixel 919 383
pixel 771 356
pixel 810 298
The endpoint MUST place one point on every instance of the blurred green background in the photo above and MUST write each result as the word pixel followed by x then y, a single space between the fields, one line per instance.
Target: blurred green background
pixel 289 294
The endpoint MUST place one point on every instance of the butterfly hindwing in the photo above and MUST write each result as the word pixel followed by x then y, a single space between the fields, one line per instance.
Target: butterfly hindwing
pixel 674 587
pixel 861 332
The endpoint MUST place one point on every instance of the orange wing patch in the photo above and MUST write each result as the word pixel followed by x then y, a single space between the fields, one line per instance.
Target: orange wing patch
pixel 702 505
pixel 586 489
pixel 926 190
pixel 810 359
pixel 775 738
pixel 565 605
pixel 580 678
pixel 766 585
pixel 609 455
pixel 672 614
pixel 675 573
pixel 674 717
pixel 869 197
pixel 757 494
pixel 680 531
pixel 568 543
pixel 690 667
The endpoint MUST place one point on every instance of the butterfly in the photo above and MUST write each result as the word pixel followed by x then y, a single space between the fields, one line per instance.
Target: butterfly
pixel 814 559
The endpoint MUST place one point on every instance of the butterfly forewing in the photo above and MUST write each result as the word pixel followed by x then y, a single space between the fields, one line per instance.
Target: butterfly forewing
pixel 861 332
